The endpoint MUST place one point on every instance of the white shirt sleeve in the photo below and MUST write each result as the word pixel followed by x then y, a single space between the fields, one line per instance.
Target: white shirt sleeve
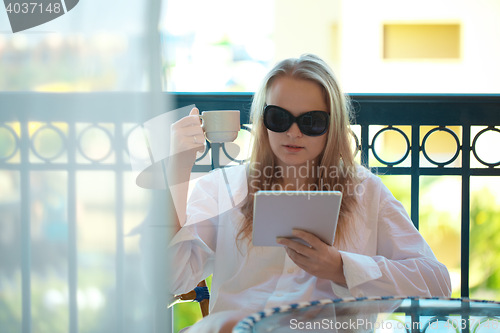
pixel 403 263
pixel 192 249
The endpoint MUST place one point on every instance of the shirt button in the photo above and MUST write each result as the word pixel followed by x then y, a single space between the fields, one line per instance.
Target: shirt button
pixel 291 270
pixel 279 295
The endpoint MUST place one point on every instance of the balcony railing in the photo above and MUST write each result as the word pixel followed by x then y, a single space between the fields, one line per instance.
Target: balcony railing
pixel 466 119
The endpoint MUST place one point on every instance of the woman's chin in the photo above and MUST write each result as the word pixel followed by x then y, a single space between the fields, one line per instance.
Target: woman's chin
pixel 294 161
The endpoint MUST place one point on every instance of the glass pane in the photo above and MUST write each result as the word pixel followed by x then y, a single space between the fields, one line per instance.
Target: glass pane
pixel 96 228
pixel 72 87
pixel 49 251
pixel 10 252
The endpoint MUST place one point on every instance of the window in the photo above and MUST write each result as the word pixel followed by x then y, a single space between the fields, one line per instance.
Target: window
pixel 421 41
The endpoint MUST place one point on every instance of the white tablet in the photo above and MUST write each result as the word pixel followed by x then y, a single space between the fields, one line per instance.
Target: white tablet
pixel 277 213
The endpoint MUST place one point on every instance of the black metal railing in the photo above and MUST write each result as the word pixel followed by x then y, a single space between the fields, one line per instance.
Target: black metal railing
pixel 390 111
pixel 117 114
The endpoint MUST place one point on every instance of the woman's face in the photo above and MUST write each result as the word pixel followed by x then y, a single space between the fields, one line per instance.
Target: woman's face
pixel 292 148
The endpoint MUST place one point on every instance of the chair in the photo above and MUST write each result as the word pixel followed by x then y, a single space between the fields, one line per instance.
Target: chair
pixel 199 294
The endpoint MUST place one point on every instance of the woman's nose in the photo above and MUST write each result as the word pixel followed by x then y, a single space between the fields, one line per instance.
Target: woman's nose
pixel 294 131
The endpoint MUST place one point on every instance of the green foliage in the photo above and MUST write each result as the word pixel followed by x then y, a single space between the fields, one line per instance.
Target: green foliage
pixel 485 246
pixel 186 314
pixel 442 229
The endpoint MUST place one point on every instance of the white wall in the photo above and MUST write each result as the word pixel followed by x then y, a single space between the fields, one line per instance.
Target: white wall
pixel 355 52
pixel 364 70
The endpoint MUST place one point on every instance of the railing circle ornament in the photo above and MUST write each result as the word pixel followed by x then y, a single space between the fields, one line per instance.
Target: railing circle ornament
pixel 41 139
pixel 245 128
pixel 441 129
pixel 87 133
pixel 357 145
pixel 129 136
pixel 474 142
pixel 407 152
pixel 207 149
pixel 9 135
pixel 224 150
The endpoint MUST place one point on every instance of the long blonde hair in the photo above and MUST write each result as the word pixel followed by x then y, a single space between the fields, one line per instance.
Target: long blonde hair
pixel 337 168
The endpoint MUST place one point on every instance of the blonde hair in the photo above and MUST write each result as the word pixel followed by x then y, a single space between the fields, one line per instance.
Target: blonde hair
pixel 338 155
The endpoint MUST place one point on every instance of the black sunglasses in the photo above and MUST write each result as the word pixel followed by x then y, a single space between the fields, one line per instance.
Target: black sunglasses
pixel 312 123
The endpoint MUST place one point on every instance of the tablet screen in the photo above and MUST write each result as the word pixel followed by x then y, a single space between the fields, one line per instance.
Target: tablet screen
pixel 277 213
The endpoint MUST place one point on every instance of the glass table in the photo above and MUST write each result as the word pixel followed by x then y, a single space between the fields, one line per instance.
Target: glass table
pixel 378 314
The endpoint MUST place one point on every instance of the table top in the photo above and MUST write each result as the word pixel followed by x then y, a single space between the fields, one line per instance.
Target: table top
pixel 378 314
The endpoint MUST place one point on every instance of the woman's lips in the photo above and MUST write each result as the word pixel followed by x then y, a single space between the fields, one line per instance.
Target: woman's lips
pixel 293 148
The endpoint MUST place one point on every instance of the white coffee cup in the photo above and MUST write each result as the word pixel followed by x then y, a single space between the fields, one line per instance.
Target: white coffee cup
pixel 221 125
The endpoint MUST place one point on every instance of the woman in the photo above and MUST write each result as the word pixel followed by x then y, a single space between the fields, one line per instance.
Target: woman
pixel 300 120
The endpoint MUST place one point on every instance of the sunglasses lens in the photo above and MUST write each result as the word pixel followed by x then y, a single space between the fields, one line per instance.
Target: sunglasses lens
pixel 313 123
pixel 276 119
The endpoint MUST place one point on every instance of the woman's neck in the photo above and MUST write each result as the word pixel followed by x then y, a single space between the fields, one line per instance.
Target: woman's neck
pixel 295 178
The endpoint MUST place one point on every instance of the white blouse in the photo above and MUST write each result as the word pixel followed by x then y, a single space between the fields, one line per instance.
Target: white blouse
pixel 389 257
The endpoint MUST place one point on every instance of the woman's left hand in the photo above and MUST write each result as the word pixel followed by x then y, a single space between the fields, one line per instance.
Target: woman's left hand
pixel 321 260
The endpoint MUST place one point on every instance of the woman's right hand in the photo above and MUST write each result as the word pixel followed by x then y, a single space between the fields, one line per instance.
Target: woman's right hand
pixel 186 139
